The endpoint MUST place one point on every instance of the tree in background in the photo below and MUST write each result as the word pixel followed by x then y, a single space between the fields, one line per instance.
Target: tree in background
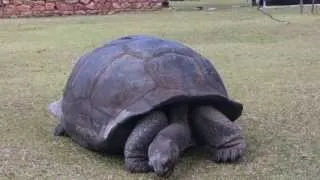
pixel 314 8
pixel 301 6
pixel 254 3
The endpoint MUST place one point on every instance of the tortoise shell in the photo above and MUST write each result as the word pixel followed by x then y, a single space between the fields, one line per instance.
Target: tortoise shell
pixel 110 87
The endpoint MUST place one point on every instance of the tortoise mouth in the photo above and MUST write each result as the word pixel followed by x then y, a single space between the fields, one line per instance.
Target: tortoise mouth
pixel 165 170
pixel 166 173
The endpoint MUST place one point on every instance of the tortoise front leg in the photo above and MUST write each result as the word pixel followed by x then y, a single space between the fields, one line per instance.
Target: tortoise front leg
pixel 136 147
pixel 224 137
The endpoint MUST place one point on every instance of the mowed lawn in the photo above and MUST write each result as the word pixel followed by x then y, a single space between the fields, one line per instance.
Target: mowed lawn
pixel 272 68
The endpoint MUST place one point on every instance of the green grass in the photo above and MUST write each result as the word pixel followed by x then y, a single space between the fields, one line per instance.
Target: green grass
pixel 272 68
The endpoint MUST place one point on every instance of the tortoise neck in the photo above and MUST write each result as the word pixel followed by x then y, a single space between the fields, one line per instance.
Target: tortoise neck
pixel 178 113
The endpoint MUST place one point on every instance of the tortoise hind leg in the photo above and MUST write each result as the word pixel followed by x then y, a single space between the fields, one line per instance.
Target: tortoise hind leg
pixel 60 131
pixel 222 136
pixel 136 147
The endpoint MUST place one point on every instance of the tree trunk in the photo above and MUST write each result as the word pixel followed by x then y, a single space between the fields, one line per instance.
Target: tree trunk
pixel 313 4
pixel 254 3
pixel 301 6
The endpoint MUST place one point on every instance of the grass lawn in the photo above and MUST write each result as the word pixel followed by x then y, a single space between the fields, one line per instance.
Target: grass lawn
pixel 272 68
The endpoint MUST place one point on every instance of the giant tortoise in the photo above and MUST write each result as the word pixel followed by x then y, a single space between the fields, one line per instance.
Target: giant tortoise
pixel 149 99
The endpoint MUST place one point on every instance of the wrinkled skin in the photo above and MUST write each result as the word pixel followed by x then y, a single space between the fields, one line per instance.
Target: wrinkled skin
pixel 163 154
pixel 157 141
pixel 171 142
pixel 167 147
pixel 136 147
pixel 156 144
pixel 222 136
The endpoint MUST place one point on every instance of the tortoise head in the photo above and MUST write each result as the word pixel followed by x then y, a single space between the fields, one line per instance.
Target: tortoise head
pixel 163 158
pixel 55 109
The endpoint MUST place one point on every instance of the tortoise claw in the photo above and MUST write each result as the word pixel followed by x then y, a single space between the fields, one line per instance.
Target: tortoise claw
pixel 229 153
